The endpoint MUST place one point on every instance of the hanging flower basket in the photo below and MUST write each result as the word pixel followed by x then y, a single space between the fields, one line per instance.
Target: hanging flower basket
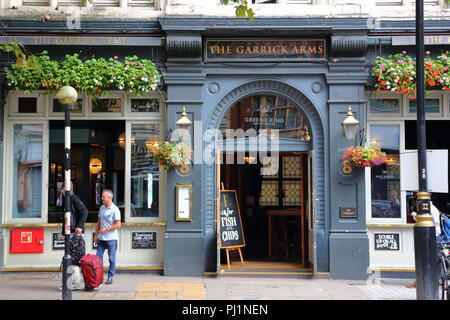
pixel 364 156
pixel 397 73
pixel 171 154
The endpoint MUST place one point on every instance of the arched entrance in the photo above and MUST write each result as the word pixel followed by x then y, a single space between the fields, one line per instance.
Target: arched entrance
pixel 299 187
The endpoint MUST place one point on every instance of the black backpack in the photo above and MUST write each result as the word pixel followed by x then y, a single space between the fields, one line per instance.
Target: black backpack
pixel 77 249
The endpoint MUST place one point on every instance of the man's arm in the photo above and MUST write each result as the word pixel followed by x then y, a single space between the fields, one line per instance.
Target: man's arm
pixel 81 211
pixel 97 230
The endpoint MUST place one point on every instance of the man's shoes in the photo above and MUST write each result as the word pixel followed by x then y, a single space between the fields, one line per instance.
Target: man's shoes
pixel 109 281
pixel 87 288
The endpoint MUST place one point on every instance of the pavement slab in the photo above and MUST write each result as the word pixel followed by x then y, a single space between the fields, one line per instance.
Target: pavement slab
pixel 151 286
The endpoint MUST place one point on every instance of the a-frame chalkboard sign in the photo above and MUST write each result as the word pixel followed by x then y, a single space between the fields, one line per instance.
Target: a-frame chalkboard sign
pixel 230 224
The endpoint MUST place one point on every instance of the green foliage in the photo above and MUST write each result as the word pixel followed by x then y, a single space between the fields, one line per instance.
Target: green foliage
pixel 242 9
pixel 23 57
pixel 93 76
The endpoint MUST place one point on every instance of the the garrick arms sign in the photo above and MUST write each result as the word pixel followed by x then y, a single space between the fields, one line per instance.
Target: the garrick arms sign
pixel 265 49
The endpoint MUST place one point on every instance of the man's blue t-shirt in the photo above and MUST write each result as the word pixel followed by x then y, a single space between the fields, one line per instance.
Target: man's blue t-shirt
pixel 107 217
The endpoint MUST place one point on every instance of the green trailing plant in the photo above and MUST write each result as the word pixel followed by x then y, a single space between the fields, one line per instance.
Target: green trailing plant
pixel 93 76
pixel 397 73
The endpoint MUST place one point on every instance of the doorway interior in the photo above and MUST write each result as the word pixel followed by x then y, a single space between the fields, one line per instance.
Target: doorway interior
pixel 275 210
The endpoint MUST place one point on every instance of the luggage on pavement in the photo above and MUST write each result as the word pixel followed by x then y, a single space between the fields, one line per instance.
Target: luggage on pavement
pixel 92 267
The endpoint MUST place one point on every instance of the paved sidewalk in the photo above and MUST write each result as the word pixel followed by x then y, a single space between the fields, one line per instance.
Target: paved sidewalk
pixel 151 286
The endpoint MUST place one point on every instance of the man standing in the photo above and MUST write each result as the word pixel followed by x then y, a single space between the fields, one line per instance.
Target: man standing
pixel 106 231
pixel 78 211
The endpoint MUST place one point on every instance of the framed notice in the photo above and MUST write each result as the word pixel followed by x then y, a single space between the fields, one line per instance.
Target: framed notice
pixel 347 213
pixel 58 242
pixel 387 241
pixel 183 196
pixel 143 240
pixel 230 225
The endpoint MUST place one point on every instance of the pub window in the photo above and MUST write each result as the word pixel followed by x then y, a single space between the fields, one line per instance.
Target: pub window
pixel 27 170
pixel 112 104
pixel 145 174
pixel 267 112
pixel 97 162
pixel 389 2
pixel 35 3
pixel 144 105
pixel 57 107
pixel 385 179
pixel 27 105
pixel 106 3
pixel 432 106
pixel 385 106
pixel 141 3
pixel 75 3
pixel 23 105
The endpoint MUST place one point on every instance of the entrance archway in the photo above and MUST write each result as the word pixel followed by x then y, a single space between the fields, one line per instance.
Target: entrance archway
pixel 318 155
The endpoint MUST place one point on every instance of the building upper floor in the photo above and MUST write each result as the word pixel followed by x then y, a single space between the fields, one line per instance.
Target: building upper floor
pixel 139 9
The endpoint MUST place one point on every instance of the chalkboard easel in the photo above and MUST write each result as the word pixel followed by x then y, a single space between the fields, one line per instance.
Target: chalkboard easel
pixel 229 222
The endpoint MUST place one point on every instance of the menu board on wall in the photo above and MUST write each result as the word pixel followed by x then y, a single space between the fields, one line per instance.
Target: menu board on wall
pixel 58 241
pixel 387 241
pixel 230 226
pixel 143 240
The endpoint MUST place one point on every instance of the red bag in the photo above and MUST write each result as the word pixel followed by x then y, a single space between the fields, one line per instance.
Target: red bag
pixel 92 267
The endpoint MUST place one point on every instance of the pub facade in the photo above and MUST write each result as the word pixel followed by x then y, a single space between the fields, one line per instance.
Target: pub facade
pixel 265 192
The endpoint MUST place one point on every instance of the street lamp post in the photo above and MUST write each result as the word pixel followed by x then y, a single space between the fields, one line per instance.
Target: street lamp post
pixel 424 230
pixel 67 96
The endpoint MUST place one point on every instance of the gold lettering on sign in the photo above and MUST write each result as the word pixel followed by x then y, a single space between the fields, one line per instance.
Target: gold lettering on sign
pixel 312 50
pixel 320 48
pixel 279 49
pixel 425 206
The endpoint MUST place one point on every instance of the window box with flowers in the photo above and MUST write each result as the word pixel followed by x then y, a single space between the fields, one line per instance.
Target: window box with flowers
pixel 364 156
pixel 171 154
pixel 397 73
pixel 93 76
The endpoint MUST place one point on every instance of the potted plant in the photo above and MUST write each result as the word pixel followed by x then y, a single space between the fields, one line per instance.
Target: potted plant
pixel 171 154
pixel 364 156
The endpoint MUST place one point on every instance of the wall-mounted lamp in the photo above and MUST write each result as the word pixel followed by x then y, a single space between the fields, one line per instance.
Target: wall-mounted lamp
pixel 95 165
pixel 183 124
pixel 350 125
pixel 184 127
